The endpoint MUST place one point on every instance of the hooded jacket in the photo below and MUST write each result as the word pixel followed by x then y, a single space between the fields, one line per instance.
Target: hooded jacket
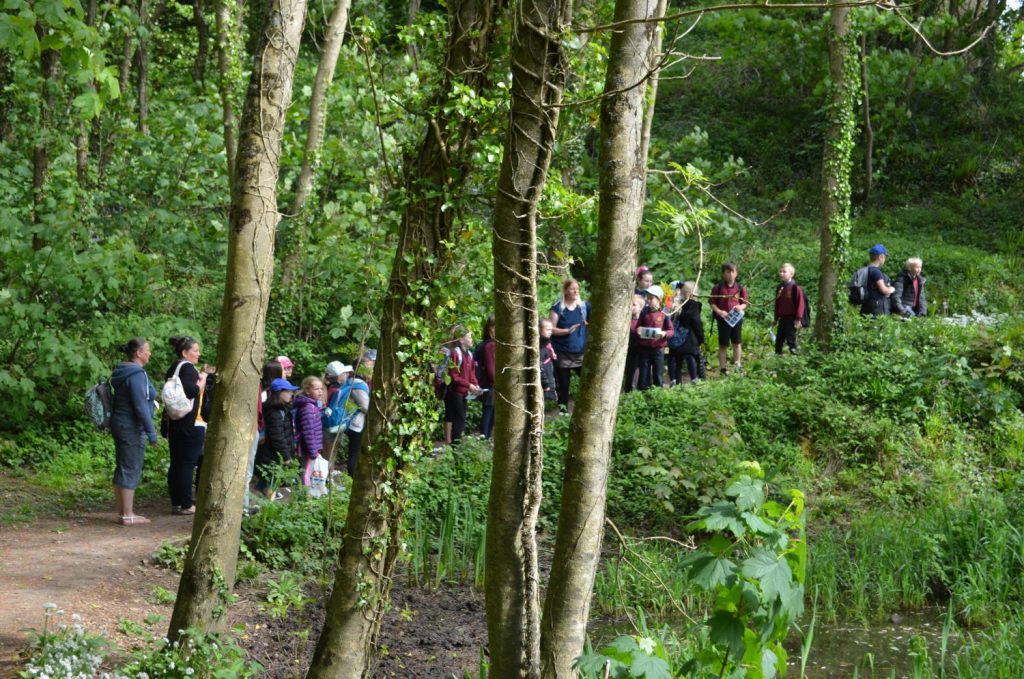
pixel 134 400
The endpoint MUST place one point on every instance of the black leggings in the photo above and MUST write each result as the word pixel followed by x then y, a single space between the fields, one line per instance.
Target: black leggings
pixel 186 460
pixel 354 439
pixel 562 377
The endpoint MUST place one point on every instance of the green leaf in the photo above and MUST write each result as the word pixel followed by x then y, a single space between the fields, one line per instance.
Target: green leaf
pixel 727 630
pixel 749 493
pixel 649 667
pixel 768 663
pixel 710 571
pixel 772 571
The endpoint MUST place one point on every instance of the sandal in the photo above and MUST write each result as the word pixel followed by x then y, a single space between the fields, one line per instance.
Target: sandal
pixel 181 511
pixel 133 520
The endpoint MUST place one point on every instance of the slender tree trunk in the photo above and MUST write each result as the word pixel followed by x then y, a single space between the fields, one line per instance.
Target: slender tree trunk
pixel 209 572
pixel 203 47
pixel 330 49
pixel 869 132
pixel 836 165
pixel 513 597
pixel 125 69
pixel 6 78
pixel 49 63
pixel 434 177
pixel 142 57
pixel 623 171
pixel 82 142
pixel 226 55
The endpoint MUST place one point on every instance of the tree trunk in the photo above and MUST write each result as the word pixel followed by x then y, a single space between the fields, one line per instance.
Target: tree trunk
pixel 512 592
pixel 622 185
pixel 49 62
pixel 330 50
pixel 434 177
pixel 142 57
pixel 869 132
pixel 837 163
pixel 82 142
pixel 226 56
pixel 203 47
pixel 209 572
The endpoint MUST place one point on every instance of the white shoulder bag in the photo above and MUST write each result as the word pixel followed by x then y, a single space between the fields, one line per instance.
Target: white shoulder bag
pixel 176 404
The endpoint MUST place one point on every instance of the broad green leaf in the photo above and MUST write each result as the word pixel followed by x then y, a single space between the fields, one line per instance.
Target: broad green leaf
pixel 727 630
pixel 710 571
pixel 649 667
pixel 749 493
pixel 772 571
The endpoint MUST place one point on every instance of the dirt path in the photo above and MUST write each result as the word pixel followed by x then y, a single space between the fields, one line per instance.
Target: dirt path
pixel 87 565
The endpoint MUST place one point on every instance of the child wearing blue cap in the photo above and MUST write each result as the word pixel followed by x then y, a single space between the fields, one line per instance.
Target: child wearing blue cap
pixel 278 446
pixel 879 286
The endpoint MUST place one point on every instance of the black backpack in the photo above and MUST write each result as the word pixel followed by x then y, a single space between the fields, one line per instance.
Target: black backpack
pixel 858 287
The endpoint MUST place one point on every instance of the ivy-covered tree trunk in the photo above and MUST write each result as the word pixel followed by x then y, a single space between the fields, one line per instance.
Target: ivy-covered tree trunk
pixel 227 54
pixel 513 597
pixel 209 572
pixel 840 129
pixel 622 185
pixel 434 175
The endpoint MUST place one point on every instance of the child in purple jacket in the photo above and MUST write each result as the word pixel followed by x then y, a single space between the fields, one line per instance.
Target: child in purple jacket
pixel 309 433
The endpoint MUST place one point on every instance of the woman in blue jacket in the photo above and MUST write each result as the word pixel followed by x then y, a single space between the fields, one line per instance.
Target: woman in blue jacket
pixel 568 336
pixel 131 423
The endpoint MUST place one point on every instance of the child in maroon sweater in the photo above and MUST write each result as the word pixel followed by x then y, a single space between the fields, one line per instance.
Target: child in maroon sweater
pixel 652 331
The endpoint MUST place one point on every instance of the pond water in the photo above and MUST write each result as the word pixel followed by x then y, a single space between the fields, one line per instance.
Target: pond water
pixel 841 647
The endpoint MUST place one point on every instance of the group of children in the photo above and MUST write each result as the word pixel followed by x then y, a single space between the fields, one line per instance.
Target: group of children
pixel 675 328
pixel 303 425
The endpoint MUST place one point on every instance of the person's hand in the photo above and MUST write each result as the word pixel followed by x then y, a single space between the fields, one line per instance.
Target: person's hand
pixel 153 443
pixel 573 328
pixel 209 369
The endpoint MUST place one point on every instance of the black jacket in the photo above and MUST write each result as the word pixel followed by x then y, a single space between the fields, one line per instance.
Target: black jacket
pixel 689 318
pixel 903 298
pixel 279 443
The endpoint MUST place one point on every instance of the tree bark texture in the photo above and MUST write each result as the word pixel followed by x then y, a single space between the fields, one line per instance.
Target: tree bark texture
pixel 226 52
pixel 203 42
pixel 434 174
pixel 836 166
pixel 209 572
pixel 869 131
pixel 330 49
pixel 622 185
pixel 513 599
pixel 49 63
pixel 142 62
pixel 82 141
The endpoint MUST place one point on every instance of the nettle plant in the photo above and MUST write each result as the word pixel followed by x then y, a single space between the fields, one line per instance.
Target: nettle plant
pixel 753 565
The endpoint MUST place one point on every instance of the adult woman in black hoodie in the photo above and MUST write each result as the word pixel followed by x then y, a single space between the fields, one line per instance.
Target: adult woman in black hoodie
pixel 186 435
pixel 689 334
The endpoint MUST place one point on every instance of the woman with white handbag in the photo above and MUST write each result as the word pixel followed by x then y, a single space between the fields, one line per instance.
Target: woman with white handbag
pixel 183 424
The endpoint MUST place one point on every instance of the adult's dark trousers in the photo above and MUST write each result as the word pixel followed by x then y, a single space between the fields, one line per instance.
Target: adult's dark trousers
pixel 652 365
pixel 455 412
pixel 786 334
pixel 355 438
pixel 487 415
pixel 562 377
pixel 186 459
pixel 629 379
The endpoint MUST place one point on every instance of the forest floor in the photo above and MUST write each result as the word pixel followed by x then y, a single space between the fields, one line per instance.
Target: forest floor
pixel 104 573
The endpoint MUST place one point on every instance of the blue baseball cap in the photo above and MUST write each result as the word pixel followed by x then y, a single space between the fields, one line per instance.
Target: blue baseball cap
pixel 879 249
pixel 281 384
